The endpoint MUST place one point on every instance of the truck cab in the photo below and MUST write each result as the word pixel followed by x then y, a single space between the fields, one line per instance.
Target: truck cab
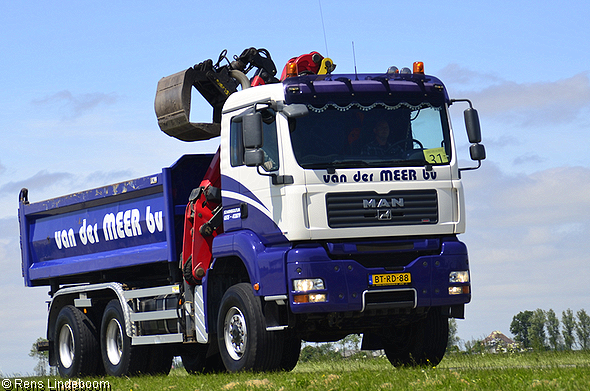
pixel 349 188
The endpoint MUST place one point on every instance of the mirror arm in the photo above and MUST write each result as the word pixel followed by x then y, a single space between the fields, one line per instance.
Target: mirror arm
pixel 470 168
pixel 277 179
pixel 462 100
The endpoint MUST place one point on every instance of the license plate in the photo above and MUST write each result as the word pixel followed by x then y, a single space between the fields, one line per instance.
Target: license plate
pixel 390 279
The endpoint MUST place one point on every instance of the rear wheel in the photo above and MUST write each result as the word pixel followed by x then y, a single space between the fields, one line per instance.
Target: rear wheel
pixel 119 357
pixel 421 343
pixel 76 343
pixel 244 343
pixel 158 359
pixel 195 360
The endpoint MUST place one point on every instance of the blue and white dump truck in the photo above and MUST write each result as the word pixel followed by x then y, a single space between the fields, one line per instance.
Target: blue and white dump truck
pixel 332 207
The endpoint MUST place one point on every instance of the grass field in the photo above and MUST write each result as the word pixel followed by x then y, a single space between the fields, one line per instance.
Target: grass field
pixel 531 371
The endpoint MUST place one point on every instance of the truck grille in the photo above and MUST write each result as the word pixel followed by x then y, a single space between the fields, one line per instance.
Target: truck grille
pixel 370 209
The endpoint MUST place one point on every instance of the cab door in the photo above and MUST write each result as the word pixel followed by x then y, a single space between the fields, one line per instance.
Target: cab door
pixel 251 200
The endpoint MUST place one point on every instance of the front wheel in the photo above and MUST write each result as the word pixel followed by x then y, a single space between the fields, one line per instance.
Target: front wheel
pixel 291 352
pixel 244 343
pixel 421 343
pixel 118 356
pixel 76 343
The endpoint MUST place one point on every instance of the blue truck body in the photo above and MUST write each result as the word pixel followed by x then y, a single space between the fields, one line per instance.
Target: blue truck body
pixel 75 238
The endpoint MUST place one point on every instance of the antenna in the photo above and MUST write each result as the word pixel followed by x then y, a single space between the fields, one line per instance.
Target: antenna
pixel 324 28
pixel 354 60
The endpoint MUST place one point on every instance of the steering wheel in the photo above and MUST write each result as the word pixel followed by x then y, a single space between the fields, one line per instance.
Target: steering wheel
pixel 408 139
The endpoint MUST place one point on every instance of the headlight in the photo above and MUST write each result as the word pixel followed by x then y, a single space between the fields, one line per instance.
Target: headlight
pixel 308 284
pixel 459 277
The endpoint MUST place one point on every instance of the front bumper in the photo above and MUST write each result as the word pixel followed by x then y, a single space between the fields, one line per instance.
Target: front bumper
pixel 345 269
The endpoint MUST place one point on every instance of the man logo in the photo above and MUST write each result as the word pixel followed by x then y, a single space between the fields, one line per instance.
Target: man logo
pixel 384 207
pixel 383 203
pixel 384 214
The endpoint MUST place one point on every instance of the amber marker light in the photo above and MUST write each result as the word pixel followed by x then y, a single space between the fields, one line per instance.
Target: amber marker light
pixel 292 70
pixel 419 67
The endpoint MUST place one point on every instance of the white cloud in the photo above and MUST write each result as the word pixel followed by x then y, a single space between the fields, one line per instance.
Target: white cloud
pixel 456 74
pixel 73 106
pixel 525 104
pixel 528 241
pixel 39 181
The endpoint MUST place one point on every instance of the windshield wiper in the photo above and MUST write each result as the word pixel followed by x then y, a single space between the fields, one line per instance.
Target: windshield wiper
pixel 356 163
pixel 337 163
pixel 402 162
pixel 331 166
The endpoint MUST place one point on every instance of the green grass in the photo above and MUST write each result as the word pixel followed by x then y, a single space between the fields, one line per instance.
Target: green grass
pixel 531 371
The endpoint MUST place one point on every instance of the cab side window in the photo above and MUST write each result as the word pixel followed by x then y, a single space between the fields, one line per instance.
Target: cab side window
pixel 270 145
pixel 236 144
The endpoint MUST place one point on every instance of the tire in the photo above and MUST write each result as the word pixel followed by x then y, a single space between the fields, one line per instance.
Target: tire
pixel 76 344
pixel 419 344
pixel 159 360
pixel 119 357
pixel 291 351
pixel 244 343
pixel 197 362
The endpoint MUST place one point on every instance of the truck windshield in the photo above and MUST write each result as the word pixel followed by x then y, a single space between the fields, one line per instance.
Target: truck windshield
pixel 398 134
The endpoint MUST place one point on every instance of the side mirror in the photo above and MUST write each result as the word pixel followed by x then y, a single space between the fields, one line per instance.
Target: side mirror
pixel 252 139
pixel 295 110
pixel 253 157
pixel 472 125
pixel 477 152
pixel 252 130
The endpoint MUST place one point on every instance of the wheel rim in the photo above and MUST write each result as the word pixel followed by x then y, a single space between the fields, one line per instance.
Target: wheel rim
pixel 66 346
pixel 114 341
pixel 235 333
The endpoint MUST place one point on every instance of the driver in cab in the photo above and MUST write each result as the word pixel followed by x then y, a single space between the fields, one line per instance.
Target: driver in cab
pixel 380 146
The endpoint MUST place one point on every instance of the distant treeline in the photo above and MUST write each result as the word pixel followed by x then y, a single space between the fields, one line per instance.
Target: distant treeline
pixel 542 330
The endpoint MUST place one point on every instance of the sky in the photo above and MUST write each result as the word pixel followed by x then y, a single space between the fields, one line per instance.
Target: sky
pixel 76 112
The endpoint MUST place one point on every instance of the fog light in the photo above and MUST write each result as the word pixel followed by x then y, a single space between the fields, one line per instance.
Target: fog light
pixel 317 297
pixel 459 277
pixel 455 290
pixel 310 298
pixel 459 290
pixel 308 284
